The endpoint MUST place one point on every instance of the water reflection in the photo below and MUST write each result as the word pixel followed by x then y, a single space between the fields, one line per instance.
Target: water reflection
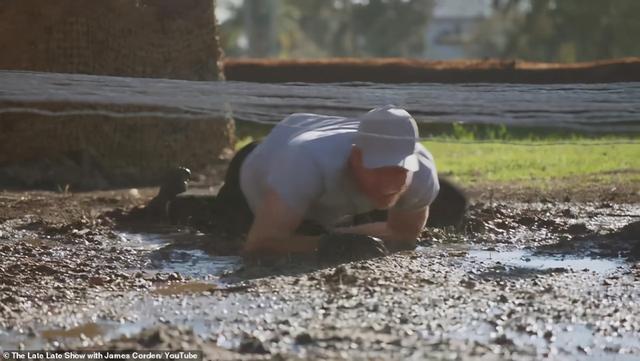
pixel 528 259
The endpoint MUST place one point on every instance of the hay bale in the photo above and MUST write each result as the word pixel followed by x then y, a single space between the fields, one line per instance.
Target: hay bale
pixel 89 152
pixel 135 38
pixel 138 38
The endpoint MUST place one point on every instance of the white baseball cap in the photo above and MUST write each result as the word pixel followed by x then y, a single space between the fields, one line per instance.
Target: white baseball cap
pixel 387 136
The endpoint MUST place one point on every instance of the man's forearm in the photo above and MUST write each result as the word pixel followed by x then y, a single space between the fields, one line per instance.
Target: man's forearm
pixel 380 230
pixel 283 245
pixel 376 229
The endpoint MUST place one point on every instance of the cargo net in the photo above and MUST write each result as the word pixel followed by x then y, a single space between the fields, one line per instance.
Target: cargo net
pixel 591 109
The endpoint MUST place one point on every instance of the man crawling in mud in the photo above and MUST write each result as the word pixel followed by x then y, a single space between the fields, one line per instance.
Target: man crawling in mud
pixel 346 187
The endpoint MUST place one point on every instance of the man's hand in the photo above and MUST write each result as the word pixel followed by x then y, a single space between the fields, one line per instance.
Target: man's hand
pixel 350 247
pixel 399 232
pixel 406 226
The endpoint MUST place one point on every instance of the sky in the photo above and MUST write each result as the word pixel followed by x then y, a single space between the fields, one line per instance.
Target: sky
pixel 222 9
pixel 451 8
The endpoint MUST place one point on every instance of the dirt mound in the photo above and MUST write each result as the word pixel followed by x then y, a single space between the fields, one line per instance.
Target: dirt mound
pixel 395 70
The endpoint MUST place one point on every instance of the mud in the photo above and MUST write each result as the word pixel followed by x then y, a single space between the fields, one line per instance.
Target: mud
pixel 524 281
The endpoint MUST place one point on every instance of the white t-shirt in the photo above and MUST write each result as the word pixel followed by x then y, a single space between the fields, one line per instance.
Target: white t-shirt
pixel 304 159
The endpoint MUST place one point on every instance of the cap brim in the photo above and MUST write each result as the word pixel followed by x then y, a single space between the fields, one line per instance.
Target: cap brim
pixel 409 162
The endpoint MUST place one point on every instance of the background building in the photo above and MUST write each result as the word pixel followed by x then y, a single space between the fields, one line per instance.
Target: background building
pixel 453 26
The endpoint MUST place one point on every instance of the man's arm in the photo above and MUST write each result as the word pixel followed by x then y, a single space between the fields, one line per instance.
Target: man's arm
pixel 400 231
pixel 273 229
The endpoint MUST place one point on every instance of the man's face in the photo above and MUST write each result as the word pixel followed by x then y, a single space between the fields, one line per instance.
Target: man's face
pixel 383 186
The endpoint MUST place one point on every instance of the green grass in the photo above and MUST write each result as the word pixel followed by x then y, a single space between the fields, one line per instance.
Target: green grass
pixel 241 142
pixel 528 158
pixel 519 161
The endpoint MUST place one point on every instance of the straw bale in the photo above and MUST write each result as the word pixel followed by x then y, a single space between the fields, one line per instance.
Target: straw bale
pixel 132 38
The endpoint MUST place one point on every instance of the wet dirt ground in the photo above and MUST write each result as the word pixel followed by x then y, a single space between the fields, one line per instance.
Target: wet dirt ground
pixel 548 278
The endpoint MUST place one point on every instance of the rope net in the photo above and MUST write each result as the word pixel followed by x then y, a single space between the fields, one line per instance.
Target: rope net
pixel 588 108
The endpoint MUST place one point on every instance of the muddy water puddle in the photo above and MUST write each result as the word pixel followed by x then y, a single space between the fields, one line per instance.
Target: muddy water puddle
pixel 528 259
pixel 193 272
pixel 90 330
pixel 55 337
pixel 210 307
pixel 186 253
pixel 182 252
pixel 568 341
pixel 189 271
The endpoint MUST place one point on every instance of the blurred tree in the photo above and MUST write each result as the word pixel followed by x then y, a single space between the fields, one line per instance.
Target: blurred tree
pixel 566 30
pixel 233 38
pixel 322 28
pixel 391 28
pixel 260 25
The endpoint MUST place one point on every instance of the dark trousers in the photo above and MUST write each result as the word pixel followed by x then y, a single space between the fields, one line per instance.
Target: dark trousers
pixel 231 204
pixel 227 214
